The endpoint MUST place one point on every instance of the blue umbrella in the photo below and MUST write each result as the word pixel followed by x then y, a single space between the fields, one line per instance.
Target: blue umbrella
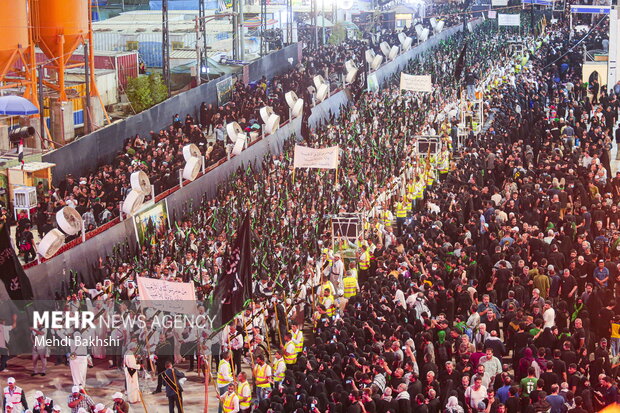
pixel 16 105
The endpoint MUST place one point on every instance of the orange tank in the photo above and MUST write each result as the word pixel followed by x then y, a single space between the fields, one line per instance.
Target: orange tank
pixel 13 32
pixel 15 46
pixel 61 26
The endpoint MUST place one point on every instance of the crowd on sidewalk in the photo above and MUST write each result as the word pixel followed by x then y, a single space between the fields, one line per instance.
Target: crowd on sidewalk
pixel 486 280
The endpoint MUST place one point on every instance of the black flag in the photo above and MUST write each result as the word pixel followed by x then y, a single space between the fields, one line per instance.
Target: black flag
pixel 460 64
pixel 13 276
pixel 234 287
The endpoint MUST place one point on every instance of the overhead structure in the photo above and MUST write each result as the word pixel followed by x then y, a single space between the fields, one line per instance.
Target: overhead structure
pixel 165 45
pixel 263 27
pixel 17 49
pixel 60 27
pixel 289 22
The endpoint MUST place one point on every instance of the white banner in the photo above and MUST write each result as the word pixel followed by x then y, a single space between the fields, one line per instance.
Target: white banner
pixel 492 14
pixel 499 3
pixel 167 296
pixel 326 158
pixel 509 19
pixel 414 83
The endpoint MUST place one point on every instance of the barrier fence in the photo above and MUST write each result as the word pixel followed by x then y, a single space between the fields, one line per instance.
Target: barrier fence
pixel 47 277
pixel 101 146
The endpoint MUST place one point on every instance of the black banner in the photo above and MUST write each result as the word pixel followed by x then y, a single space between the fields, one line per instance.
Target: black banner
pixel 235 285
pixel 460 64
pixel 13 276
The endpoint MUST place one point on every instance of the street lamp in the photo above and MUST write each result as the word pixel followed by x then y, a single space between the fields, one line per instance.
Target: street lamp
pixel 202 22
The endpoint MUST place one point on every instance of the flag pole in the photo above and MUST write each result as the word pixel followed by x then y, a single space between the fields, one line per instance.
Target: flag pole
pixel 251 352
pixel 267 334
pixel 144 405
pixel 286 311
pixel 232 365
pixel 207 374
pixel 275 310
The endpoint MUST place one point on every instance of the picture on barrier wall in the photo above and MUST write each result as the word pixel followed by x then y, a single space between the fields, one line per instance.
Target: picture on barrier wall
pixel 373 83
pixel 151 222
pixel 224 91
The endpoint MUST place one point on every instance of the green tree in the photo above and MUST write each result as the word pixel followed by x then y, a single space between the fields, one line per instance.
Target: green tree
pixel 339 34
pixel 146 91
pixel 159 92
pixel 139 93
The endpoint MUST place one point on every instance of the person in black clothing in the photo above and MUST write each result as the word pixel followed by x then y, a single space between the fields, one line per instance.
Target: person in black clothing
pixel 25 243
pixel 163 354
pixel 578 406
pixel 470 83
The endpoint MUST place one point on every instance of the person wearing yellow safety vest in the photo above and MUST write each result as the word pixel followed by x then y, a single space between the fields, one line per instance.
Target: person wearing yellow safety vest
pixel 298 338
pixel 262 378
pixel 289 352
pixel 411 189
pixel 364 264
pixel 418 193
pixel 430 173
pixel 386 216
pixel 279 369
pixel 229 401
pixel 244 392
pixel 408 205
pixel 224 375
pixel 444 164
pixel 327 285
pixel 400 208
pixel 350 286
pixel 328 302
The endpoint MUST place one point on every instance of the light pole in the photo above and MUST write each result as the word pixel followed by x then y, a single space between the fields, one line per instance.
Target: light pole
pixel 201 41
pixel 323 21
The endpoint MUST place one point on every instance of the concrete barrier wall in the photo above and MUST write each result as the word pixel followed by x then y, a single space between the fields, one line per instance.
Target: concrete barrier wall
pixel 47 278
pixel 101 146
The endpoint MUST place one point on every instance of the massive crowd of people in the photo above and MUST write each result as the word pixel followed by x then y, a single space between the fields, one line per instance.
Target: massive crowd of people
pixel 97 193
pixel 485 281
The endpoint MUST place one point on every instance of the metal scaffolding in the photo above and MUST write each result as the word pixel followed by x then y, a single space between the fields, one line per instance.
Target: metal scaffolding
pixel 165 45
pixel 201 40
pixel 235 29
pixel 263 27
pixel 289 22
pixel 314 12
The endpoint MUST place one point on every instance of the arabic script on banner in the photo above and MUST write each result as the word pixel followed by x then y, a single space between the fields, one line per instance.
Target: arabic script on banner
pixel 422 83
pixel 326 158
pixel 509 19
pixel 167 296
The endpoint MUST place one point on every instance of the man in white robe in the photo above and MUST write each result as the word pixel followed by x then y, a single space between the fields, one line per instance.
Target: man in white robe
pixel 131 374
pixel 78 359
